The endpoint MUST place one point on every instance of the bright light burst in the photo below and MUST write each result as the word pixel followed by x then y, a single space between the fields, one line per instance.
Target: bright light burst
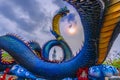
pixel 72 30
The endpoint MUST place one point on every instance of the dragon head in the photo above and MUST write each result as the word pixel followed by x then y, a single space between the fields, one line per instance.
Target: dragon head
pixel 63 11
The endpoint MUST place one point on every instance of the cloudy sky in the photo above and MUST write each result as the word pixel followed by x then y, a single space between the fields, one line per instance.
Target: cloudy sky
pixel 32 20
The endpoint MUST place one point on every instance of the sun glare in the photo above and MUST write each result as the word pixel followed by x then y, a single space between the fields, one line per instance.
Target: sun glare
pixel 72 30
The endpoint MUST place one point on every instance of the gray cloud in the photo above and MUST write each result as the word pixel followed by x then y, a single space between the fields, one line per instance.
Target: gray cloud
pixel 31 7
pixel 7 11
pixel 35 12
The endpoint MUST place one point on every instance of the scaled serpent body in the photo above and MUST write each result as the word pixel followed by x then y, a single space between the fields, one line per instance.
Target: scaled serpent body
pixel 92 16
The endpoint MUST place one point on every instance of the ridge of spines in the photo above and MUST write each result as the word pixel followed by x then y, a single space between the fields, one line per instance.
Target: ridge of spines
pixel 20 38
pixel 15 35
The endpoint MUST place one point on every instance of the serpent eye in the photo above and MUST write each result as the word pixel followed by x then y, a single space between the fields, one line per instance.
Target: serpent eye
pixel 20 70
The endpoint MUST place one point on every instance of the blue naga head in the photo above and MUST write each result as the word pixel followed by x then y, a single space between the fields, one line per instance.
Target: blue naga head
pixel 63 11
pixel 108 70
pixel 95 71
pixel 102 71
pixel 21 72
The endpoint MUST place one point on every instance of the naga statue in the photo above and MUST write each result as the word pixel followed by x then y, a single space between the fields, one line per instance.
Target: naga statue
pixel 101 24
pixel 101 71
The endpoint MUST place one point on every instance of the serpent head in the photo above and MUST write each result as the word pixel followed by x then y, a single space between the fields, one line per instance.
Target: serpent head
pixel 63 11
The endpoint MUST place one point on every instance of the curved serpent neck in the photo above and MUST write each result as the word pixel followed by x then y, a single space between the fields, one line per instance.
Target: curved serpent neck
pixel 111 20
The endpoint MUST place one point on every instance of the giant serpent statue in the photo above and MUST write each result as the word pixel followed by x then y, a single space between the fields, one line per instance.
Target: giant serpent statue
pixel 100 19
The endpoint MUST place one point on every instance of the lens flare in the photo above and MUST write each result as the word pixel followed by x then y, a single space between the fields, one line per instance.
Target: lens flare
pixel 72 30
